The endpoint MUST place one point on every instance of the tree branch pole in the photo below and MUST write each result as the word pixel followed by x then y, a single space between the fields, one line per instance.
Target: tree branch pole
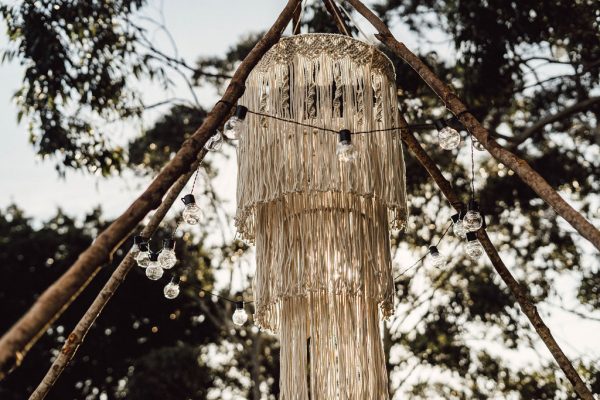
pixel 458 108
pixel 520 293
pixel 15 343
pixel 77 336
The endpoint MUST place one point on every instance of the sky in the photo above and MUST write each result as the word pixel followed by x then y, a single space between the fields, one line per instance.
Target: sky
pixel 198 27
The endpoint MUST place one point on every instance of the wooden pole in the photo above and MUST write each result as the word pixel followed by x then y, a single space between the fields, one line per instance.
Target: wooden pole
pixel 15 343
pixel 458 108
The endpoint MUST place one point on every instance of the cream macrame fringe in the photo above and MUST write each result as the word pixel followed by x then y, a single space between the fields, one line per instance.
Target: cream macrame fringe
pixel 321 226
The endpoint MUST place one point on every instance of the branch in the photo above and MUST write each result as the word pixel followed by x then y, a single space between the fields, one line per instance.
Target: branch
pixel 527 174
pixel 538 126
pixel 516 289
pixel 15 343
pixel 335 13
pixel 77 336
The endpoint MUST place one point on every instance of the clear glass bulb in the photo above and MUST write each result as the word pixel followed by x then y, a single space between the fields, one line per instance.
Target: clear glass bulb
pixel 437 260
pixel 473 249
pixel 154 271
pixel 167 258
pixel 449 138
pixel 191 214
pixel 240 316
pixel 233 127
pixel 143 259
pixel 215 142
pixel 472 220
pixel 134 251
pixel 345 151
pixel 459 229
pixel 171 290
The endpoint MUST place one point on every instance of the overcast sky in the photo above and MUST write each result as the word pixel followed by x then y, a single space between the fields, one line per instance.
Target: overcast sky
pixel 199 27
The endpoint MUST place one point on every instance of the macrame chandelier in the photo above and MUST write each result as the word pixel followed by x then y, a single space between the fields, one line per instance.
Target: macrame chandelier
pixel 320 225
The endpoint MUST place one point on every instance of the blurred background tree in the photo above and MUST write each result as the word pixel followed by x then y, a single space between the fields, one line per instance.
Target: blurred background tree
pixel 530 70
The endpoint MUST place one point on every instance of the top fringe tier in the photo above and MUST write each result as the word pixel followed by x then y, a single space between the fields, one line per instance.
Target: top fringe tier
pixel 329 81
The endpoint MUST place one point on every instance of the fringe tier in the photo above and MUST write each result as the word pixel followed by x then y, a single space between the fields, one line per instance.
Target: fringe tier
pixel 321 227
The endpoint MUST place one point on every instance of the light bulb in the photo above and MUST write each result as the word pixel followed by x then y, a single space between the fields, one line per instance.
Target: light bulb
pixel 345 149
pixel 458 228
pixel 215 142
pixel 143 257
pixel 473 248
pixel 191 213
pixel 154 271
pixel 235 125
pixel 135 249
pixel 239 316
pixel 448 137
pixel 167 257
pixel 472 220
pixel 171 289
pixel 436 260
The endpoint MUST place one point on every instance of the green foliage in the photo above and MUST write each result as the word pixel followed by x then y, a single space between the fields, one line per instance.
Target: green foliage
pixel 78 58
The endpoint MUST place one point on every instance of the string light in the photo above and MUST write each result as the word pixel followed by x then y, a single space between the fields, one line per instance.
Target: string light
pixel 239 315
pixel 235 125
pixel 345 149
pixel 436 259
pixel 473 248
pixel 167 258
pixel 472 220
pixel 172 289
pixel 191 213
pixel 143 257
pixel 137 242
pixel 448 137
pixel 154 271
pixel 458 228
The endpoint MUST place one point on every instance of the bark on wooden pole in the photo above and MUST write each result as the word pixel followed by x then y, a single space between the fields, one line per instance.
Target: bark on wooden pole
pixel 77 336
pixel 15 343
pixel 458 108
pixel 521 294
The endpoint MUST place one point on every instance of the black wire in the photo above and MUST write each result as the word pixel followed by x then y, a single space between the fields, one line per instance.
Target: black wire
pixel 424 255
pixel 401 128
pixel 472 167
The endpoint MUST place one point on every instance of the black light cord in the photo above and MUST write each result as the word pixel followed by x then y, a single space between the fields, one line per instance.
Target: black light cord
pixel 420 260
pixel 422 126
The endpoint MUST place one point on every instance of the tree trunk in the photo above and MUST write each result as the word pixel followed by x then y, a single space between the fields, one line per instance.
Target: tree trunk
pixel 456 106
pixel 75 339
pixel 25 332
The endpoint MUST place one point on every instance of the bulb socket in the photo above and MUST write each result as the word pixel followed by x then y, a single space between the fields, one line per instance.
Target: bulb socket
pixel 143 246
pixel 153 256
pixel 440 124
pixel 473 205
pixel 175 279
pixel 240 112
pixel 455 218
pixel 239 305
pixel 471 236
pixel 434 250
pixel 168 244
pixel 188 199
pixel 345 135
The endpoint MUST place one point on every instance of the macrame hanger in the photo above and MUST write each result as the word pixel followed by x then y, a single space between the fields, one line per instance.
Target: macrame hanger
pixel 357 26
pixel 334 11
